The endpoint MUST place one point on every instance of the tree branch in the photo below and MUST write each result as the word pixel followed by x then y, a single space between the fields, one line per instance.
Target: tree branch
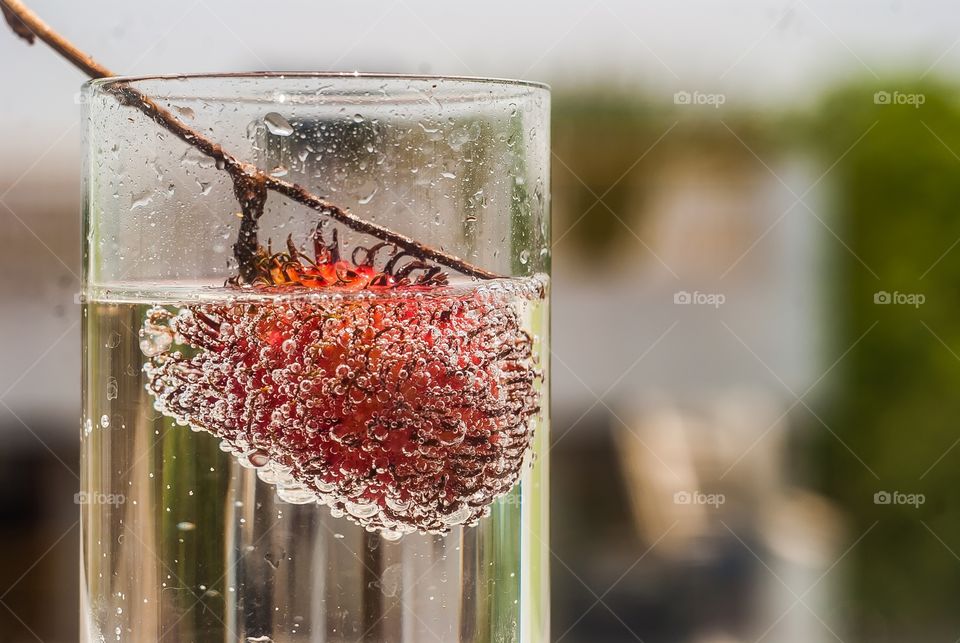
pixel 246 177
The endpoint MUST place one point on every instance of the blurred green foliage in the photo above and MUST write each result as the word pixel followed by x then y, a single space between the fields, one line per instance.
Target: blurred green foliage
pixel 894 399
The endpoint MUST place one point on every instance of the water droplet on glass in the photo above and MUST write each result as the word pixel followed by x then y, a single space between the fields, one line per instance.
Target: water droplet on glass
pixel 277 124
pixel 193 156
pixel 112 388
pixel 105 421
pixel 186 526
pixel 524 257
pixel 373 189
pixel 141 200
pixel 390 580
pixel 271 560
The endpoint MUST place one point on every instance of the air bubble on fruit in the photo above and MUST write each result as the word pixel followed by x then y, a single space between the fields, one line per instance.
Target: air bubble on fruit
pixel 155 338
pixel 258 458
pixel 268 474
pixel 361 510
pixel 277 124
pixel 457 517
pixel 323 487
pixel 397 505
pixel 390 535
pixel 296 495
pixel 524 256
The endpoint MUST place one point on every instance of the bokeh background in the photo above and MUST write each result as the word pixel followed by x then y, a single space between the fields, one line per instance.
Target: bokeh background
pixel 756 291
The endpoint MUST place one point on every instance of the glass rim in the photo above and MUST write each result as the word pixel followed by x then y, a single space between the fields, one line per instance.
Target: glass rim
pixel 99 83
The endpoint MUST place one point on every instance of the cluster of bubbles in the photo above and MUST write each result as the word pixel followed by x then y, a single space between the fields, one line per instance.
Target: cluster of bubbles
pixel 406 411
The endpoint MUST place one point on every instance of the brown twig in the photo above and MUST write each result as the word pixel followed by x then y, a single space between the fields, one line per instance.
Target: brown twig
pixel 250 183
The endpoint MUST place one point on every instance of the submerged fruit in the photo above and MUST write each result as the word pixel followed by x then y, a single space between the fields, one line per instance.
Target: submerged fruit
pixel 410 410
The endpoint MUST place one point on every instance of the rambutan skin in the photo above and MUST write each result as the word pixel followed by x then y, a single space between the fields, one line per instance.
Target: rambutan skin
pixel 408 412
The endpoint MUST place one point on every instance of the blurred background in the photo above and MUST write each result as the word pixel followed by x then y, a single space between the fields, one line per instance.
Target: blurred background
pixel 756 319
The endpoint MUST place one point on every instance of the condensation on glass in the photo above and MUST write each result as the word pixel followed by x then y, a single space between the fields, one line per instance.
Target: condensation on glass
pixel 181 540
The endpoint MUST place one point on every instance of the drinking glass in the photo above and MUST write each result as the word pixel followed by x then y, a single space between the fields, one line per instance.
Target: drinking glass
pixel 351 446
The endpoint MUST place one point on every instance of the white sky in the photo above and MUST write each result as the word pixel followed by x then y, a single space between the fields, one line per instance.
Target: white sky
pixel 768 51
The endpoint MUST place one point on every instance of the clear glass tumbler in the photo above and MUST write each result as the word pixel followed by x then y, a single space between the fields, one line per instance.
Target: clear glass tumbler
pixel 297 426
